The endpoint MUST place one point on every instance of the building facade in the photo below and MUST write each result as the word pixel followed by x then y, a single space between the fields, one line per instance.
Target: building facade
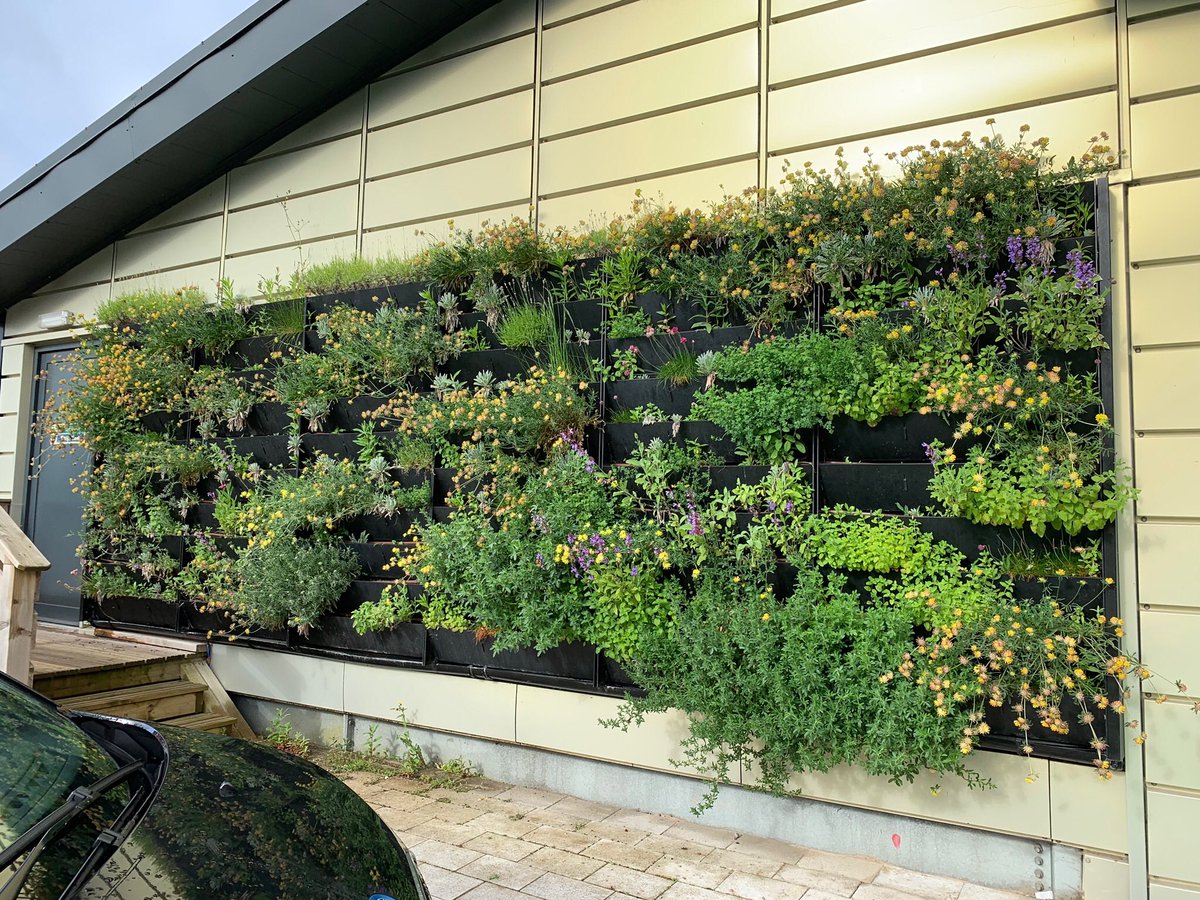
pixel 561 109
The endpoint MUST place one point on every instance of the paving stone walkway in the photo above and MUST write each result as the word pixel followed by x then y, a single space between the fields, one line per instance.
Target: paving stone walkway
pixel 490 841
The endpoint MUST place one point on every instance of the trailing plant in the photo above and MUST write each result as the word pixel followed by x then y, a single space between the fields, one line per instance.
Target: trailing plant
pixel 289 582
pixel 787 684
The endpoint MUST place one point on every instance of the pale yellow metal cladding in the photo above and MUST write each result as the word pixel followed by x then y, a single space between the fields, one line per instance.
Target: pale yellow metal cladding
pixel 568 106
pixel 1164 299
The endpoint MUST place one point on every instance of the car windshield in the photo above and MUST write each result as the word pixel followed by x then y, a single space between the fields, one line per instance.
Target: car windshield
pixel 43 758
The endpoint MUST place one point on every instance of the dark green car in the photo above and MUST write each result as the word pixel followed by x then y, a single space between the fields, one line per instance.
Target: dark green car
pixel 94 806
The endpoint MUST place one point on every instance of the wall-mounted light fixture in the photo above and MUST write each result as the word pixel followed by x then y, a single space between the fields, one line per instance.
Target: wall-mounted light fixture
pixel 52 320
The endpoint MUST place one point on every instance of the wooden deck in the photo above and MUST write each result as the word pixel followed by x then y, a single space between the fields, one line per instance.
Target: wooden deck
pixel 69 651
pixel 164 680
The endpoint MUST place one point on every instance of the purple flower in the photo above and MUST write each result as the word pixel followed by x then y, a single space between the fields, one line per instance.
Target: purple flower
pixel 540 560
pixel 930 453
pixel 1082 270
pixel 1038 252
pixel 1016 250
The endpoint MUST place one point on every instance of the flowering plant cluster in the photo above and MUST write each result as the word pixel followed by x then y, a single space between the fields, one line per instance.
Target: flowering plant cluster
pixel 521 416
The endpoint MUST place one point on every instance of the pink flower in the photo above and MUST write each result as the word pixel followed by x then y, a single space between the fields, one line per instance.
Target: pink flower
pixel 674 329
pixel 683 340
pixel 633 348
pixel 649 331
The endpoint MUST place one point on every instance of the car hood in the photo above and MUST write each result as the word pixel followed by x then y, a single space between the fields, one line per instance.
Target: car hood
pixel 240 820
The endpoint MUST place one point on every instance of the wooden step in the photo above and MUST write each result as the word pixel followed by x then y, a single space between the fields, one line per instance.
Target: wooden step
pixel 78 684
pixel 152 702
pixel 205 721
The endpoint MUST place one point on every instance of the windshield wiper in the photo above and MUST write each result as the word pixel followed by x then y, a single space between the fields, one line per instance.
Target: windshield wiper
pixel 36 839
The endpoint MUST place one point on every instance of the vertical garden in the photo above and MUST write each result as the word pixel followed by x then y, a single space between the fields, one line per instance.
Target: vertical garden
pixel 827 467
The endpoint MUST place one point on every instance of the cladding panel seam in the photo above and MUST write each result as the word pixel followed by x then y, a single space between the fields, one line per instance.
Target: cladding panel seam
pixel 463 104
pixel 661 173
pixel 651 114
pixel 650 54
pixel 939 49
pixel 457 54
pixel 452 214
pixel 449 160
pixel 943 120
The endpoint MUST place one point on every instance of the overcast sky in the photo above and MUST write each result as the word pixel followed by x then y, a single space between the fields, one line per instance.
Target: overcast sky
pixel 64 63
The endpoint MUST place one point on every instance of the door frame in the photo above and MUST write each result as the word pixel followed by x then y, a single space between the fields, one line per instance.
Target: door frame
pixel 32 361
pixel 28 421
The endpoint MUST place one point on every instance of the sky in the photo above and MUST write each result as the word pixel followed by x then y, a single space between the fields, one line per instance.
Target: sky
pixel 65 63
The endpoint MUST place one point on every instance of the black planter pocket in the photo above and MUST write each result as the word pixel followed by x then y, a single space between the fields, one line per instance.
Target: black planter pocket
pixel 1076 361
pixel 1089 594
pixel 335 446
pixel 216 624
pixel 347 415
pixel 501 363
pixel 574 661
pixel 138 614
pixel 269 451
pixel 1074 746
pixel 729 477
pixel 972 539
pixel 630 394
pixel 170 545
pixel 392 528
pixel 265 419
pixel 894 439
pixel 888 487
pixel 581 315
pixel 170 424
pixel 448 481
pixel 654 351
pixel 405 642
pixel 407 294
pixel 364 590
pixel 621 438
pixel 615 679
pixel 203 517
pixel 373 556
pixel 257 351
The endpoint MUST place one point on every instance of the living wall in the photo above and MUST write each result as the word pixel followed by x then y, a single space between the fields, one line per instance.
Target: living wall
pixel 827 467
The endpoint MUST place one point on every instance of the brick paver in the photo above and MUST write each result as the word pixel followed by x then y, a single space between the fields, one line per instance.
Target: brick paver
pixel 492 841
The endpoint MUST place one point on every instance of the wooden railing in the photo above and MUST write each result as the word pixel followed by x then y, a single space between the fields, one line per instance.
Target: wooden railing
pixel 21 568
